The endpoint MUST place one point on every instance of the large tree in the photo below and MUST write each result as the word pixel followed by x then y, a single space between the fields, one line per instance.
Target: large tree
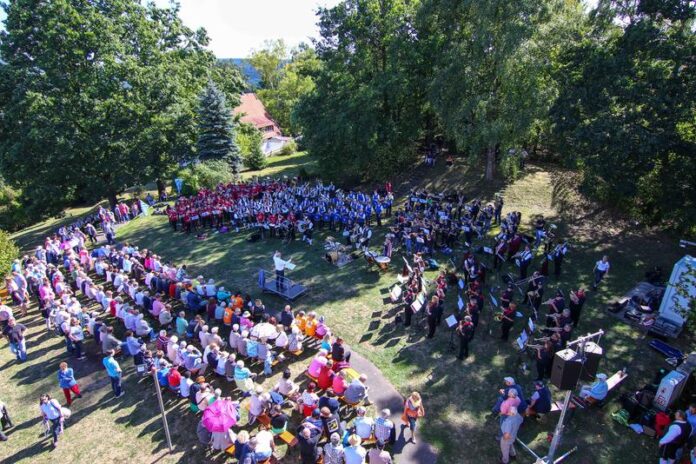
pixel 268 61
pixel 626 114
pixel 491 68
pixel 96 97
pixel 364 117
pixel 216 140
pixel 294 80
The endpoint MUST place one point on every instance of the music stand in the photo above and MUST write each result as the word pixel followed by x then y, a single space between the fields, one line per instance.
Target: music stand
pixel 451 323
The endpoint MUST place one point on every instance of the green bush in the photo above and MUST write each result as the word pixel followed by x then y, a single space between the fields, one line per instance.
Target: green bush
pixel 510 165
pixel 288 149
pixel 206 174
pixel 249 139
pixel 13 215
pixel 8 252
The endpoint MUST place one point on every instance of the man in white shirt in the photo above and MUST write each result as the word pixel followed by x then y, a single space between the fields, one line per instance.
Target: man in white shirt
pixel 279 264
pixel 601 270
pixel 363 425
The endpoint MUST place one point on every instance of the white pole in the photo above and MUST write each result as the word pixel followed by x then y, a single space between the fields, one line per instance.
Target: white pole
pixel 164 414
pixel 559 428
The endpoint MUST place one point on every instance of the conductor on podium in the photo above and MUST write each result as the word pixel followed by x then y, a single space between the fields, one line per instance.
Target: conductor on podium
pixel 280 264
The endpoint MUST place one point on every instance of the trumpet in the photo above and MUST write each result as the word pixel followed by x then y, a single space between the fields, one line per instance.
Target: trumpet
pixel 542 339
pixel 536 347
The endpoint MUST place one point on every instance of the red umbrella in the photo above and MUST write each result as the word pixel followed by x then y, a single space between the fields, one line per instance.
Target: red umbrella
pixel 220 416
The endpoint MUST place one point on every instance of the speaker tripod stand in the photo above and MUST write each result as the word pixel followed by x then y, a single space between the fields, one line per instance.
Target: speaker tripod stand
pixel 550 458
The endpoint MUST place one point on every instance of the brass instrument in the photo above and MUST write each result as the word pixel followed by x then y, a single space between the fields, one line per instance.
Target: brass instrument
pixel 542 339
pixel 498 317
pixel 536 347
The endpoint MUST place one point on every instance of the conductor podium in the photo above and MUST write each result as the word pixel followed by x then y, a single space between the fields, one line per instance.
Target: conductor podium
pixel 283 287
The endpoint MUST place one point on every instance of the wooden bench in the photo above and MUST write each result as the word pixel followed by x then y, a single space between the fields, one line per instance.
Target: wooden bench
pixel 348 406
pixel 578 402
pixel 264 420
pixel 351 374
pixel 311 377
pixel 612 382
pixel 288 438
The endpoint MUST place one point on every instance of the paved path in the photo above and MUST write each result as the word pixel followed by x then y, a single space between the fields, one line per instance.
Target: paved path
pixel 384 395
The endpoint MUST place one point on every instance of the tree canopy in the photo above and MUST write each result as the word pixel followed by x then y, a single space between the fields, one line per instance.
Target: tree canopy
pixel 626 115
pixel 8 252
pixel 294 80
pixel 96 97
pixel 366 112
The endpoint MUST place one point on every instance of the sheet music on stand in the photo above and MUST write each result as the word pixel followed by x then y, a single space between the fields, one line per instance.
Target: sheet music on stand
pixel 451 321
pixel 460 303
pixel 530 324
pixel 522 340
pixel 461 284
pixel 488 250
pixel 493 300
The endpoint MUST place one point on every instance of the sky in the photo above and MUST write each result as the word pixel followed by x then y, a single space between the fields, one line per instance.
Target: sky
pixel 236 27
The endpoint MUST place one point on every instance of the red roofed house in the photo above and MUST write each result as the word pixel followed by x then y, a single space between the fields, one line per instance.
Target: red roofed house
pixel 253 112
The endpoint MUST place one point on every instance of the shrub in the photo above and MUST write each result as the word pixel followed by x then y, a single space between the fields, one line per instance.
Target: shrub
pixel 288 149
pixel 206 174
pixel 8 252
pixel 249 139
pixel 510 165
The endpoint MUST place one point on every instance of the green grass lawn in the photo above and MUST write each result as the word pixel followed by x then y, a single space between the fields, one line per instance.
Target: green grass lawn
pixel 288 165
pixel 458 396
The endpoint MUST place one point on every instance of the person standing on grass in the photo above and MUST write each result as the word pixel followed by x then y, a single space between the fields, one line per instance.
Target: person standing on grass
pixel 18 343
pixel 115 373
pixel 53 414
pixel 76 336
pixel 601 270
pixel 67 382
pixel 509 428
